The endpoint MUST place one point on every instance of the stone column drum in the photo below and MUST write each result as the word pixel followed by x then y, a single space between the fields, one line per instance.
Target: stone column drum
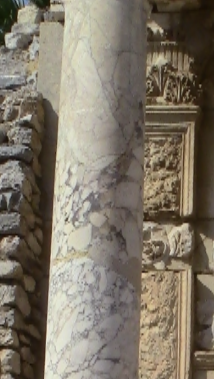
pixel 95 274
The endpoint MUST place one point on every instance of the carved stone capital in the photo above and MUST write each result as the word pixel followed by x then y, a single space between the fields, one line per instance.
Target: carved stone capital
pixel 170 78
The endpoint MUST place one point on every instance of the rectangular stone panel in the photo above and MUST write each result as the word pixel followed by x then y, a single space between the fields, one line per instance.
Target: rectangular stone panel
pixel 162 186
pixel 165 338
pixel 204 360
pixel 169 164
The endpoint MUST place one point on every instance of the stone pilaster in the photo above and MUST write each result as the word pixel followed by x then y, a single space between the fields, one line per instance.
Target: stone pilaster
pixel 95 274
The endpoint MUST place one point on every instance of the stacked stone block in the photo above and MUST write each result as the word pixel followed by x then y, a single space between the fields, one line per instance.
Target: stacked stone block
pixel 21 237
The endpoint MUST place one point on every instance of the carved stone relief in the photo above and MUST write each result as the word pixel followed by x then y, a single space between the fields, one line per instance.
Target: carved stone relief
pixel 170 78
pixel 169 166
pixel 162 183
pixel 173 94
pixel 162 243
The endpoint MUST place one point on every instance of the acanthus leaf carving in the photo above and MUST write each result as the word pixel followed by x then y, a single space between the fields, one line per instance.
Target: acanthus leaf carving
pixel 166 84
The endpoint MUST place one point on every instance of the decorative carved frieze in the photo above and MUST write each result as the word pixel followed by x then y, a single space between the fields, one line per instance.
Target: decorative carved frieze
pixel 169 162
pixel 170 78
pixel 162 243
pixel 169 85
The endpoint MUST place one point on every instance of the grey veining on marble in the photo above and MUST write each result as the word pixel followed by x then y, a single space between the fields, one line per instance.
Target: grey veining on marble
pixel 95 277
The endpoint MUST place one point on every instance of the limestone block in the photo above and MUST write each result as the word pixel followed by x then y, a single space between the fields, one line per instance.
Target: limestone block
pixel 10 362
pixel 158 331
pixel 17 41
pixel 15 201
pixel 32 106
pixel 16 248
pixel 14 175
pixel 12 81
pixel 12 223
pixel 26 28
pixel 25 136
pixel 30 14
pixel 28 102
pixel 18 152
pixel 165 321
pixel 11 318
pixel 50 60
pixel 15 296
pixel 10 270
pixel 55 13
pixel 204 360
pixel 8 338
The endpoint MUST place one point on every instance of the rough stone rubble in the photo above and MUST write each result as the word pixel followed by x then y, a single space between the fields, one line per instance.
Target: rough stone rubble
pixel 21 236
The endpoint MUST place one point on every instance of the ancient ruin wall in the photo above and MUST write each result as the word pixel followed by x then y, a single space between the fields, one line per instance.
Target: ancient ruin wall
pixel 21 235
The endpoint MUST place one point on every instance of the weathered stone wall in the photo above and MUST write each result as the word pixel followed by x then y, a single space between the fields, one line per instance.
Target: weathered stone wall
pixel 21 234
pixel 159 318
pixel 178 232
pixel 21 130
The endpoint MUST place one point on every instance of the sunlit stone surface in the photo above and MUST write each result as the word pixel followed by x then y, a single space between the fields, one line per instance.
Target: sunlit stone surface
pixel 95 277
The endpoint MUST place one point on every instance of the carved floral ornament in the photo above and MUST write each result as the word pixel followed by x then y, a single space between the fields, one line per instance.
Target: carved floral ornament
pixel 166 84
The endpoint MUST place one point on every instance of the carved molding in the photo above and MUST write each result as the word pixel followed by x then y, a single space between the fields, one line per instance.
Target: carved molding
pixel 170 77
pixel 166 84
pixel 185 324
pixel 162 243
pixel 204 360
pixel 169 163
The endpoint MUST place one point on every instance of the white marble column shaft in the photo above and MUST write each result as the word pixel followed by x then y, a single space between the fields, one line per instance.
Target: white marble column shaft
pixel 95 274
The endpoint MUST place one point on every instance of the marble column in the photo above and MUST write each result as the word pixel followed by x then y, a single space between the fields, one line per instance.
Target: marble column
pixel 95 273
